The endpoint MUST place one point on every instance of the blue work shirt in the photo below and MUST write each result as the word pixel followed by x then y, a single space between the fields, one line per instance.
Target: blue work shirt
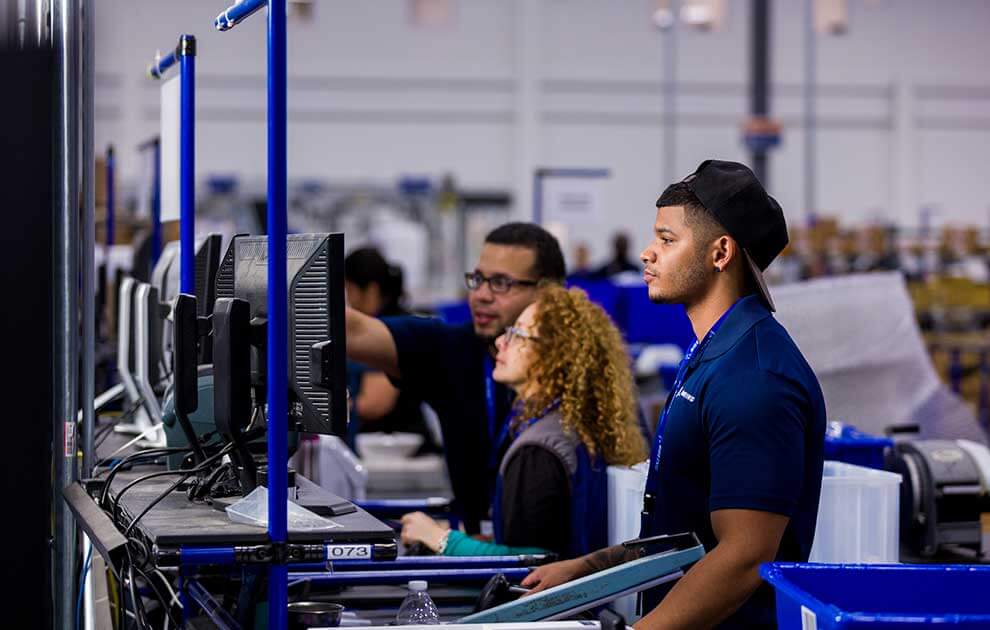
pixel 445 366
pixel 745 431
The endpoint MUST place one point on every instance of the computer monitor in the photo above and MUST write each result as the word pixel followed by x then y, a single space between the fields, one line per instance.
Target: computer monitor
pixel 150 372
pixel 162 275
pixel 207 262
pixel 127 360
pixel 316 345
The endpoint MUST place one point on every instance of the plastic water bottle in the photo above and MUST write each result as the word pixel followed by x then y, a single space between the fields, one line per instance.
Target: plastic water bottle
pixel 417 608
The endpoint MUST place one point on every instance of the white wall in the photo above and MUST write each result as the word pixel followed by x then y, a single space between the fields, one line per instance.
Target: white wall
pixel 903 99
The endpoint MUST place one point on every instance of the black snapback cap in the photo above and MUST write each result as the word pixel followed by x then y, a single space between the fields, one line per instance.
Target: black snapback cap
pixel 738 201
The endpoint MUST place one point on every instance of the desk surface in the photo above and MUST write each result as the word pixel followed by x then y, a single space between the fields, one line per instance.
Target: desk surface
pixel 176 521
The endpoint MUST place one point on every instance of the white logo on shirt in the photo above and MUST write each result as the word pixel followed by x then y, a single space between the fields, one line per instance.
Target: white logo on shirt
pixel 686 396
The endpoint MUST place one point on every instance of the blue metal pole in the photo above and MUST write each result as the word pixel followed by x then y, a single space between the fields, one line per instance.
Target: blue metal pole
pixel 445 576
pixel 434 562
pixel 111 200
pixel 278 377
pixel 955 369
pixel 187 157
pixel 161 64
pixel 237 13
pixel 156 206
pixel 191 556
pixel 984 406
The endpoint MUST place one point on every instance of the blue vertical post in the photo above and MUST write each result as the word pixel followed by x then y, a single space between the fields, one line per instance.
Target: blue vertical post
pixel 156 204
pixel 278 377
pixel 187 161
pixel 984 411
pixel 111 201
pixel 955 369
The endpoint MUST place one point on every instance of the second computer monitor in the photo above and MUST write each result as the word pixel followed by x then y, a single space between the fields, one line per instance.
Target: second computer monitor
pixel 316 315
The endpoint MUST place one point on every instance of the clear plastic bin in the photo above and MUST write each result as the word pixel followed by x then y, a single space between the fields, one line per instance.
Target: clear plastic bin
pixel 625 503
pixel 858 515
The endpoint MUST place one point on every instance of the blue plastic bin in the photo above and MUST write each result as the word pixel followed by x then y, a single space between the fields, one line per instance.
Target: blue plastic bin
pixel 853 447
pixel 603 293
pixel 649 323
pixel 834 596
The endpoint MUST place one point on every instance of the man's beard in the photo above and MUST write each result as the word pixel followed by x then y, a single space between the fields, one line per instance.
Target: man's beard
pixel 687 283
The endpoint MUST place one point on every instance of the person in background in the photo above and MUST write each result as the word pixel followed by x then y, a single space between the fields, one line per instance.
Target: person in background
pixel 738 453
pixel 581 268
pixel 620 258
pixel 375 287
pixel 574 414
pixel 450 366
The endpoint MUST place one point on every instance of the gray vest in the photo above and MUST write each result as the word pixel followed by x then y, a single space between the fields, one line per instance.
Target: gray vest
pixel 547 433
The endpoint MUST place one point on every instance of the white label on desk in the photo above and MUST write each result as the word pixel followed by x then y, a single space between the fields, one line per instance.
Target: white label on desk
pixel 809 620
pixel 348 552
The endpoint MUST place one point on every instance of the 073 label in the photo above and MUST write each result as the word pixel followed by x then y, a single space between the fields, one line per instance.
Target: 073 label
pixel 348 552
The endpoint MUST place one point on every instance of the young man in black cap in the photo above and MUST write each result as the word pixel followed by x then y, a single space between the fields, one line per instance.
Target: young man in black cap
pixel 738 453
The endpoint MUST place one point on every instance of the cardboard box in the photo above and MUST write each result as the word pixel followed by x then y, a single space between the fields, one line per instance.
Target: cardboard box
pixel 100 185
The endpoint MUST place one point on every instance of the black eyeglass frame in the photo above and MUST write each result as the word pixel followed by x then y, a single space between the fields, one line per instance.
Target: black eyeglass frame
pixel 474 279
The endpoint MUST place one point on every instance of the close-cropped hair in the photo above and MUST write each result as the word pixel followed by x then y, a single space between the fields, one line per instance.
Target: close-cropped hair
pixel 549 261
pixel 581 360
pixel 702 222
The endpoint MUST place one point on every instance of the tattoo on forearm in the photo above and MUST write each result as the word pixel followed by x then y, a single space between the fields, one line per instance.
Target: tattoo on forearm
pixel 609 557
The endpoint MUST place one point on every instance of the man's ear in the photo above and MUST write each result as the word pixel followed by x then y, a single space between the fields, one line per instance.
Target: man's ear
pixel 724 251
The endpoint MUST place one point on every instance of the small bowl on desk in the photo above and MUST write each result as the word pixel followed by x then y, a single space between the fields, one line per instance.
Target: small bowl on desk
pixel 305 615
pixel 388 445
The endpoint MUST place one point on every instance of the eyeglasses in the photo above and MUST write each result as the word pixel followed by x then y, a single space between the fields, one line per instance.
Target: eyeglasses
pixel 497 283
pixel 511 332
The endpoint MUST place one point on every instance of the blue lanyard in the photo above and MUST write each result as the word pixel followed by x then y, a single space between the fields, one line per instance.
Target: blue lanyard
pixel 503 431
pixel 507 434
pixel 490 395
pixel 696 348
pixel 530 422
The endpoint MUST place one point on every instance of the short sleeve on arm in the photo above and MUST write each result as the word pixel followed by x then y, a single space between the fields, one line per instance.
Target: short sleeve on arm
pixel 755 423
pixel 423 345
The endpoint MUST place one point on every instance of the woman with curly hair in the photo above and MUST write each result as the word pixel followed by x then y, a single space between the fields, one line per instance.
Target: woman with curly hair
pixel 574 415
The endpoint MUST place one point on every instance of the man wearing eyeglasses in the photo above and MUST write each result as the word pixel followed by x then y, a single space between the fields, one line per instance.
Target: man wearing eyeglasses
pixel 449 366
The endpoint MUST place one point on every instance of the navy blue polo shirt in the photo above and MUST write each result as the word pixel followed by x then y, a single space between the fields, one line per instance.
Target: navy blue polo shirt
pixel 444 365
pixel 746 431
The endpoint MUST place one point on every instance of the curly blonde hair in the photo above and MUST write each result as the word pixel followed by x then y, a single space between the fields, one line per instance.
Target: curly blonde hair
pixel 580 360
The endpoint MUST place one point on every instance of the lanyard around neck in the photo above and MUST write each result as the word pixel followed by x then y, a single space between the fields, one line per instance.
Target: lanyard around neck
pixel 697 349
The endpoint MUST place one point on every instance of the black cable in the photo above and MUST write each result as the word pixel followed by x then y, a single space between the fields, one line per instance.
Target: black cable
pixel 128 459
pixel 166 604
pixel 142 546
pixel 157 500
pixel 139 612
pixel 103 429
pixel 203 489
pixel 108 428
pixel 159 450
pixel 187 473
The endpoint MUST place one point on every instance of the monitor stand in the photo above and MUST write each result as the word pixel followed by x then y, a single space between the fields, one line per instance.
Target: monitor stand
pixel 142 425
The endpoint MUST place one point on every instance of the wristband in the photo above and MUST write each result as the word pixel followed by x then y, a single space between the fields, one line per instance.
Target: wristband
pixel 442 544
